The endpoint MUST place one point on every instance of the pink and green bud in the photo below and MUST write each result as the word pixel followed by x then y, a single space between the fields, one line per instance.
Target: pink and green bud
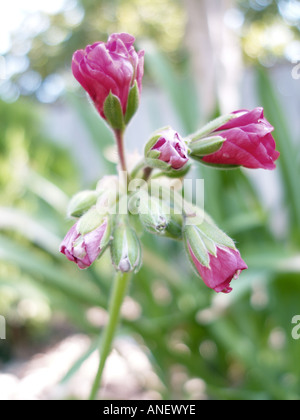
pixel 213 256
pixel 167 151
pixel 111 73
pixel 126 251
pixel 248 141
pixel 85 248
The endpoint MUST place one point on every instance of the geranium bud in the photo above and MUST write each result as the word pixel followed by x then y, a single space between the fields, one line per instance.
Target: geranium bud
pixel 125 247
pixel 81 203
pixel 166 150
pixel 111 73
pixel 150 211
pixel 248 142
pixel 213 255
pixel 84 249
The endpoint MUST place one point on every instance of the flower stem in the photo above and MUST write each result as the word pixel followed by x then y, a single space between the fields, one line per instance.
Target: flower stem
pixel 147 173
pixel 121 152
pixel 118 293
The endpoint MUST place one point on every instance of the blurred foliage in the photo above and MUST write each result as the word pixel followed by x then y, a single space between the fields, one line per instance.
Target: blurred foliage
pixel 44 44
pixel 271 30
pixel 39 57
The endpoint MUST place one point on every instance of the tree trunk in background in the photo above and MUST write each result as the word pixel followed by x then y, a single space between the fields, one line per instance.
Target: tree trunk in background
pixel 215 55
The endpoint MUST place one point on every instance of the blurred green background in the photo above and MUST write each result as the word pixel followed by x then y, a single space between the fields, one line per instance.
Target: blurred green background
pixel 178 339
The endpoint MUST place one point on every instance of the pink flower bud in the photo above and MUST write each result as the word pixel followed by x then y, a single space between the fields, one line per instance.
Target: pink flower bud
pixel 112 67
pixel 84 249
pixel 170 148
pixel 223 267
pixel 249 142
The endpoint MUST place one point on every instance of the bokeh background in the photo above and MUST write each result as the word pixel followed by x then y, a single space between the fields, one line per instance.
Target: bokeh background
pixel 178 339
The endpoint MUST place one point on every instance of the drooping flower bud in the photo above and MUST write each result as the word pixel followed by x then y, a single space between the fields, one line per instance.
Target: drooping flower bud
pixel 81 203
pixel 213 255
pixel 111 73
pixel 84 245
pixel 125 247
pixel 167 151
pixel 150 210
pixel 248 141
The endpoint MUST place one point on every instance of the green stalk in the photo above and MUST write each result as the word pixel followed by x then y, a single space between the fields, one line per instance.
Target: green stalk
pixel 119 135
pixel 118 293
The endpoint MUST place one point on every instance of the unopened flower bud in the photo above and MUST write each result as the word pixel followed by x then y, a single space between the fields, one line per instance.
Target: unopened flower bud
pixel 150 211
pixel 85 248
pixel 248 141
pixel 81 203
pixel 213 255
pixel 111 73
pixel 166 150
pixel 125 247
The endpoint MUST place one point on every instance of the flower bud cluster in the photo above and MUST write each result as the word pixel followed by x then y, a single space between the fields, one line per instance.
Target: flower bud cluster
pixel 111 73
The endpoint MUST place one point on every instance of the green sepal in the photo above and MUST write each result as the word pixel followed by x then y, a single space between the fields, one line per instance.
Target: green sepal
pixel 193 239
pixel 156 163
pixel 216 235
pixel 219 166
pixel 81 203
pixel 132 103
pixel 113 112
pixel 90 221
pixel 209 244
pixel 105 241
pixel 151 143
pixel 178 173
pixel 212 126
pixel 206 146
pixel 126 251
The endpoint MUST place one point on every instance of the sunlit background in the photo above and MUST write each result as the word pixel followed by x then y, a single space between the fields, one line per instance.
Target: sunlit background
pixel 178 339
